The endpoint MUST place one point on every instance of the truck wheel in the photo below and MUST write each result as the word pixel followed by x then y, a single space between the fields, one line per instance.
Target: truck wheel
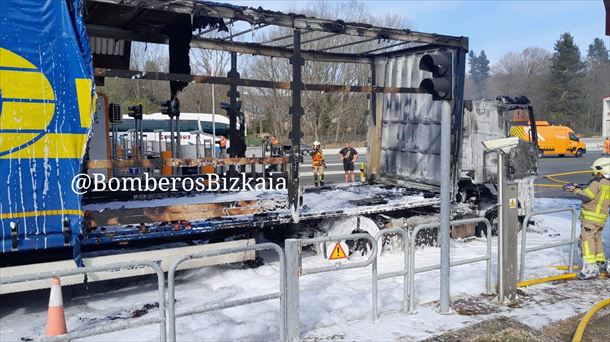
pixel 579 153
pixel 561 155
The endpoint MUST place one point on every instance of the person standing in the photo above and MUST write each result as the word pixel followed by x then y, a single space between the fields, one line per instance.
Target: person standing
pixel 317 164
pixel 607 146
pixel 593 217
pixel 223 146
pixel 349 156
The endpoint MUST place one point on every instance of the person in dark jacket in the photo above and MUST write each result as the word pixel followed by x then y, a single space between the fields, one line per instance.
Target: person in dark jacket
pixel 349 156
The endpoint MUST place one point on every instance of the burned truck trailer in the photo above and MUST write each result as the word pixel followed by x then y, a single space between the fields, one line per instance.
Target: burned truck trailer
pixel 415 92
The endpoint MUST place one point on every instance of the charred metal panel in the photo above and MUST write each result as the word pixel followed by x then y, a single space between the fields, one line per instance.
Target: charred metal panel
pixel 410 123
pixel 488 120
pixel 481 122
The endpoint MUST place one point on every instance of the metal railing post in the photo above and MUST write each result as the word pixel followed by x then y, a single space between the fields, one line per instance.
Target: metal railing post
pixel 281 294
pixel 293 271
pixel 412 271
pixel 404 273
pixel 572 242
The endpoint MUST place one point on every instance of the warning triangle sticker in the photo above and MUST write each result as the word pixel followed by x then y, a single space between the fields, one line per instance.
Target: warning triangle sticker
pixel 512 203
pixel 337 253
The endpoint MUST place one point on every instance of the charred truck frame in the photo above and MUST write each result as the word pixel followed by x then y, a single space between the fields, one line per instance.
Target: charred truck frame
pixel 415 118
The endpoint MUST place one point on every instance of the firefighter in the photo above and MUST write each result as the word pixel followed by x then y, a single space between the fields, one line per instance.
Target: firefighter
pixel 593 216
pixel 317 164
pixel 276 147
pixel 607 146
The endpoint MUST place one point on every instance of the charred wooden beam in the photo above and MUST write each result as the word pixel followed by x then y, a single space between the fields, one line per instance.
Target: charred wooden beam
pixel 174 213
pixel 226 161
pixel 244 32
pixel 183 162
pixel 221 45
pixel 349 44
pixel 313 39
pixel 161 76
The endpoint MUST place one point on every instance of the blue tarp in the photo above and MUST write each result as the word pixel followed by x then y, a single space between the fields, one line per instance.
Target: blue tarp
pixel 46 85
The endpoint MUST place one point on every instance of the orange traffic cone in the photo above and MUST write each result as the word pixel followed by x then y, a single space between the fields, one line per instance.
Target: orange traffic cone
pixel 56 320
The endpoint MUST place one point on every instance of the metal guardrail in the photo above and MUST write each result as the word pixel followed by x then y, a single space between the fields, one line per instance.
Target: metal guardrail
pixel 402 273
pixel 281 294
pixel 105 268
pixel 572 242
pixel 412 270
pixel 294 270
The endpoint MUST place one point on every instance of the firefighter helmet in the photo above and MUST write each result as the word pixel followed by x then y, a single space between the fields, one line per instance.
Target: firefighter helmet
pixel 602 166
pixel 316 143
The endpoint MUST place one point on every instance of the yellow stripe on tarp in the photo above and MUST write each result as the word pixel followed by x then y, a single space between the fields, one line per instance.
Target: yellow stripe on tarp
pixel 12 140
pixel 51 145
pixel 41 213
pixel 13 60
pixel 27 85
pixel 85 100
pixel 26 115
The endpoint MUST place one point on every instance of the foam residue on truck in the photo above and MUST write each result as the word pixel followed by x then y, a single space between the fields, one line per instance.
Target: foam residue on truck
pixel 46 84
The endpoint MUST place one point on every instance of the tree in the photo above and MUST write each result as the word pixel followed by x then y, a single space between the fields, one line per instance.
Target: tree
pixel 566 98
pixel 597 53
pixel 479 71
pixel 523 73
pixel 597 84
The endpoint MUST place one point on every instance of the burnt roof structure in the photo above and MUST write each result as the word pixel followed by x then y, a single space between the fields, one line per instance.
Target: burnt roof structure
pixel 152 20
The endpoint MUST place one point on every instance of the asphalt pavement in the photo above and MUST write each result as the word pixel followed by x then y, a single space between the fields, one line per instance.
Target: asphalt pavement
pixel 334 168
pixel 546 166
pixel 557 165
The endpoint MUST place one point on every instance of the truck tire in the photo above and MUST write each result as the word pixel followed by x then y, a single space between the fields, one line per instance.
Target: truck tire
pixel 579 153
pixel 561 155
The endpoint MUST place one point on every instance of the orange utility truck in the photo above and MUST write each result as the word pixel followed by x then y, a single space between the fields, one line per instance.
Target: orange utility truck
pixel 553 140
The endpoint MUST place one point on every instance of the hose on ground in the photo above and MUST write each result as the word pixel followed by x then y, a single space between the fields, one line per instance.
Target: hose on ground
pixel 585 320
pixel 566 276
pixel 551 177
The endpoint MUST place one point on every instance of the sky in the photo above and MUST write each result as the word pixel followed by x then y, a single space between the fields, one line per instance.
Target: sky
pixel 497 26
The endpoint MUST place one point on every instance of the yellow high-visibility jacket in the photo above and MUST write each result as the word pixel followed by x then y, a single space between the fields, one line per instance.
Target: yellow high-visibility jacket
pixel 596 201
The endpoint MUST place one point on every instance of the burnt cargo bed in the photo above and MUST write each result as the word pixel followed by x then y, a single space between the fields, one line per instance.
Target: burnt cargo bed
pixel 207 215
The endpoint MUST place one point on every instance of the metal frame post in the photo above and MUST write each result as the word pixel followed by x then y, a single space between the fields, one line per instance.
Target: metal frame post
pixel 293 271
pixel 296 111
pixel 500 205
pixel 233 94
pixel 445 213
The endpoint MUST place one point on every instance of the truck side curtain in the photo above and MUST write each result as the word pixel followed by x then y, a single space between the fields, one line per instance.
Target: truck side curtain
pixel 46 100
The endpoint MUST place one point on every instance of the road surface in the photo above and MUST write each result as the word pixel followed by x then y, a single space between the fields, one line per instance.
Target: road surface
pixel 546 166
pixel 555 165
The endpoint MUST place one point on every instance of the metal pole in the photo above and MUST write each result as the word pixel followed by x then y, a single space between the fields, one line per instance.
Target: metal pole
pixel 178 137
pixel 445 209
pixel 573 244
pixel 296 111
pixel 197 142
pixel 213 121
pixel 171 136
pixel 500 228
pixel 292 248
